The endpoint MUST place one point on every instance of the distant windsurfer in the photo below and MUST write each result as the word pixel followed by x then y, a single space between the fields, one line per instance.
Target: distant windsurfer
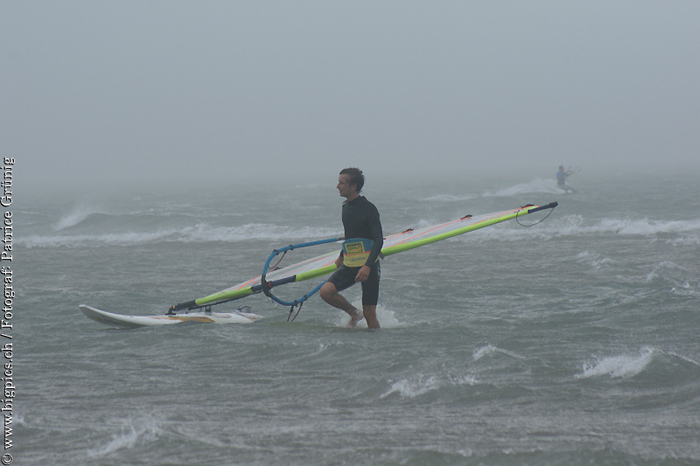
pixel 360 220
pixel 563 179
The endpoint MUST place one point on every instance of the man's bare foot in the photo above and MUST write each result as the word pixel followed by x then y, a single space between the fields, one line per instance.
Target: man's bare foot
pixel 354 320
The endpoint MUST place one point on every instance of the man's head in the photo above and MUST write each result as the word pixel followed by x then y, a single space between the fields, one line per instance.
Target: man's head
pixel 354 179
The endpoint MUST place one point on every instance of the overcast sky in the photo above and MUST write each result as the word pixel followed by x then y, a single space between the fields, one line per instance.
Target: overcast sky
pixel 188 90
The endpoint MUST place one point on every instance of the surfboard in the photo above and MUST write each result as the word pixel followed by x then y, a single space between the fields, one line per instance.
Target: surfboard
pixel 199 310
pixel 126 321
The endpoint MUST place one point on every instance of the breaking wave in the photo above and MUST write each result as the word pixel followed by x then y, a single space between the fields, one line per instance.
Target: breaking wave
pixel 76 216
pixel 623 366
pixel 423 383
pixel 536 186
pixel 200 233
pixel 571 225
pixel 576 225
pixel 132 432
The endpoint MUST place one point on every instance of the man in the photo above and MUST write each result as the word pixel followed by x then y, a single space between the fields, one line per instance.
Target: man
pixel 562 177
pixel 361 221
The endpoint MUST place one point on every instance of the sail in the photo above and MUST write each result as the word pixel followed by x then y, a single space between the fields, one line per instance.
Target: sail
pixel 393 244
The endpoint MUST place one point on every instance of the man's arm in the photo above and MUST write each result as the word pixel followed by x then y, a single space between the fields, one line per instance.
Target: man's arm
pixel 378 238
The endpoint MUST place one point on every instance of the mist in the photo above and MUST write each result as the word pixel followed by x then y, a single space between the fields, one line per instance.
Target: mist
pixel 185 93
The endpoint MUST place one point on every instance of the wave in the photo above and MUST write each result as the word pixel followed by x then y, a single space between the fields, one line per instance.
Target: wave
pixel 422 384
pixel 89 225
pixel 623 366
pixel 571 225
pixel 642 227
pixel 131 432
pixel 664 269
pixel 654 367
pixel 576 225
pixel 87 218
pixel 690 240
pixel 200 233
pixel 536 186
pixel 490 349
pixel 386 316
pixel 451 198
pixel 76 216
pixel 593 259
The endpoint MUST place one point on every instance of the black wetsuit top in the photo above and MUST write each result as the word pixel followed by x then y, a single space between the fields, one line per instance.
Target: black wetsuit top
pixel 361 220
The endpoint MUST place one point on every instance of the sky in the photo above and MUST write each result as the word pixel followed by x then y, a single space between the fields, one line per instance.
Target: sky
pixel 183 92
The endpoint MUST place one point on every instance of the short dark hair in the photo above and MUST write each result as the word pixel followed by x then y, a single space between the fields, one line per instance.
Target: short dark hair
pixel 356 177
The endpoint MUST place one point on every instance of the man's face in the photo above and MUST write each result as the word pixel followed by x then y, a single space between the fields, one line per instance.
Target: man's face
pixel 345 189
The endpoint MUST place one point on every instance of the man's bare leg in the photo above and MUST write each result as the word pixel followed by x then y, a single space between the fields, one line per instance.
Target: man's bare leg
pixel 330 295
pixel 370 314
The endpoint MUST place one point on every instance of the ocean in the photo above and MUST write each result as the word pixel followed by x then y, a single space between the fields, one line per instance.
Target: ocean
pixel 573 341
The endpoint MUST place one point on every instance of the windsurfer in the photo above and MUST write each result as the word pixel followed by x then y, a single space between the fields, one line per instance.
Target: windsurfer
pixel 360 220
pixel 562 179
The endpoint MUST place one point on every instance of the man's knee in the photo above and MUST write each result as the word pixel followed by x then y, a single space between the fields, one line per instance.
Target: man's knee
pixel 327 291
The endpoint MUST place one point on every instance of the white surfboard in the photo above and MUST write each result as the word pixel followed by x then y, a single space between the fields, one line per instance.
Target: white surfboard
pixel 125 321
pixel 192 311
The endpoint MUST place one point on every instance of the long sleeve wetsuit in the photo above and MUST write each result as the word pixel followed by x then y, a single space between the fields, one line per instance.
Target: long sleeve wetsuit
pixel 361 220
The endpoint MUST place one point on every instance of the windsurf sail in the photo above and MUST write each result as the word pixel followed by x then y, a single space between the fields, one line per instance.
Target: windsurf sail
pixel 325 263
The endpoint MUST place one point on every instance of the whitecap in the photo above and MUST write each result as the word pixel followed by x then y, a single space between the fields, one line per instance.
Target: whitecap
pixel 79 213
pixel 414 387
pixel 420 384
pixel 450 198
pixel 624 366
pixel 200 233
pixel 690 240
pixel 490 349
pixel 593 259
pixel 537 185
pixel 691 361
pixel 576 225
pixel 642 226
pixel 483 351
pixel 387 318
pixel 130 433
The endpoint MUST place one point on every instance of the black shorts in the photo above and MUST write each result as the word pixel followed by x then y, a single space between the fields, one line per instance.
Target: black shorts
pixel 344 278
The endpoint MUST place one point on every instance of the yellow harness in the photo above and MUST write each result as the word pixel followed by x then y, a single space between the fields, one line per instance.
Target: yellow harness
pixel 356 251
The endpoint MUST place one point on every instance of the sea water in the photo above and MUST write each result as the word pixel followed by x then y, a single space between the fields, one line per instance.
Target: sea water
pixel 572 341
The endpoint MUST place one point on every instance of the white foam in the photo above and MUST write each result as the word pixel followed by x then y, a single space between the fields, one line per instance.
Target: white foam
pixel 593 259
pixel 577 226
pixel 690 240
pixel 686 289
pixel 130 433
pixel 450 198
pixel 691 361
pixel 569 225
pixel 79 213
pixel 640 227
pixel 387 318
pixel 200 233
pixel 623 366
pixel 424 383
pixel 490 349
pixel 664 265
pixel 537 185
pixel 412 388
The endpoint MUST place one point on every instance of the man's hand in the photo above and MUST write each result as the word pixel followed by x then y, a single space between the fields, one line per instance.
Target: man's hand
pixel 363 274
